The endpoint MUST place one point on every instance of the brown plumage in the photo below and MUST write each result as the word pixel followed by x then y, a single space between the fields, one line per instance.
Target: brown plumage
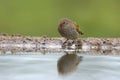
pixel 69 29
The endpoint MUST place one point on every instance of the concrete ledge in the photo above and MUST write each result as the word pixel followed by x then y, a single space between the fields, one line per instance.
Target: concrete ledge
pixel 18 43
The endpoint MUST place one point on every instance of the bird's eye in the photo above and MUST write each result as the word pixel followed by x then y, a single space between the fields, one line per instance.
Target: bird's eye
pixel 63 22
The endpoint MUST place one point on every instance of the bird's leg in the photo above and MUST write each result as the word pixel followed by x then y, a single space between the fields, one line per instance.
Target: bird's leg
pixel 73 41
pixel 63 45
pixel 65 41
pixel 78 44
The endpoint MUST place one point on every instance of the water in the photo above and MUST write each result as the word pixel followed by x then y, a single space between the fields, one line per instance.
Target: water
pixel 59 67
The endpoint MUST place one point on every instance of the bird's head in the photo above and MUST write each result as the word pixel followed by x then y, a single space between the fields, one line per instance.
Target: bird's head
pixel 64 22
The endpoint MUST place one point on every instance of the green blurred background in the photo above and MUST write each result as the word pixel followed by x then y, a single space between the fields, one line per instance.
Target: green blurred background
pixel 97 18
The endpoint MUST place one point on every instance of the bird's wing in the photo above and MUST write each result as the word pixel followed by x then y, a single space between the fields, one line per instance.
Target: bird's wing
pixel 77 28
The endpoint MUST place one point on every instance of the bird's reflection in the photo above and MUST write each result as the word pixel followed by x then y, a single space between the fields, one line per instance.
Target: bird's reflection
pixel 68 63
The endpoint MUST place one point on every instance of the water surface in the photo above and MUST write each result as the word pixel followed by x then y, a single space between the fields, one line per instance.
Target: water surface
pixel 59 67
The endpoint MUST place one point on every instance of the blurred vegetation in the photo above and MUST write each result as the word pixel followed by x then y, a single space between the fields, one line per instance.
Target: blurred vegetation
pixel 97 18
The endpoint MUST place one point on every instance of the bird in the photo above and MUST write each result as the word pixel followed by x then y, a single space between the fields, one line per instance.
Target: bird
pixel 69 29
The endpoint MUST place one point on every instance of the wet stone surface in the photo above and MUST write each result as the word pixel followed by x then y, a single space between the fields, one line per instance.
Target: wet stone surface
pixel 18 43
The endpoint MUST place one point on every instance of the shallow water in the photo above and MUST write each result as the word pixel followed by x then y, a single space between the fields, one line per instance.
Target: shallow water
pixel 59 67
